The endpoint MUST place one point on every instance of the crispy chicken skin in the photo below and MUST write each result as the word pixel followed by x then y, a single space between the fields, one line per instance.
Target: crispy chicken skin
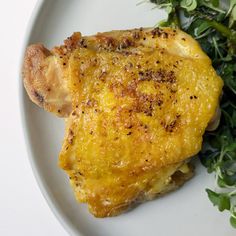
pixel 136 102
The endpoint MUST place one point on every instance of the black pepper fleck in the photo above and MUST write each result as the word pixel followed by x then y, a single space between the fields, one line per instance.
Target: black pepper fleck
pixel 39 97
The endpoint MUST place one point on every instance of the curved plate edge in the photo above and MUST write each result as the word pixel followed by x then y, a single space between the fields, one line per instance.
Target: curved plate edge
pixel 42 186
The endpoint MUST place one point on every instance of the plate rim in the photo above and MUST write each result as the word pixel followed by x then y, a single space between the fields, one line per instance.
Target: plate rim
pixel 68 227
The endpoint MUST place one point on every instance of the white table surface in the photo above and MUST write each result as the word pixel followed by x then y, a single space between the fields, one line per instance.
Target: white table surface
pixel 23 210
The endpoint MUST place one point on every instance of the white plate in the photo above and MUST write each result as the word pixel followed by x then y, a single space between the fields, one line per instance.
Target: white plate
pixel 182 213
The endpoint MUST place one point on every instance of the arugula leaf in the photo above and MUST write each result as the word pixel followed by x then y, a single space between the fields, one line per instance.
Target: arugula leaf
pixel 233 221
pixel 189 5
pixel 220 200
pixel 203 26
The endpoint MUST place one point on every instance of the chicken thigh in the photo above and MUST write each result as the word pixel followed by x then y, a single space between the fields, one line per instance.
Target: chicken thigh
pixel 136 105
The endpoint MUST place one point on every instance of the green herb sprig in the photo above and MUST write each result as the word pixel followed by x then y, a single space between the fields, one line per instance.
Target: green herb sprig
pixel 213 24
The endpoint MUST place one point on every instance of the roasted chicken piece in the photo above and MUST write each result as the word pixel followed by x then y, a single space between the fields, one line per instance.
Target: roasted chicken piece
pixel 136 102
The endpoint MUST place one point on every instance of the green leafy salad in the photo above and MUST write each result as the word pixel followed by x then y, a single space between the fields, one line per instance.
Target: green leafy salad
pixel 213 24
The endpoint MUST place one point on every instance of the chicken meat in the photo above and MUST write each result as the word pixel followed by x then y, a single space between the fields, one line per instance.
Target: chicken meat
pixel 136 105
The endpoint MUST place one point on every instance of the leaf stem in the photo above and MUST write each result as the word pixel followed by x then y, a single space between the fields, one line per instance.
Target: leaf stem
pixel 230 34
pixel 173 18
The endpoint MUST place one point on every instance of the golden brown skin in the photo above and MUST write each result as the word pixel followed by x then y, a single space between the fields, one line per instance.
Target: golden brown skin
pixel 138 102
